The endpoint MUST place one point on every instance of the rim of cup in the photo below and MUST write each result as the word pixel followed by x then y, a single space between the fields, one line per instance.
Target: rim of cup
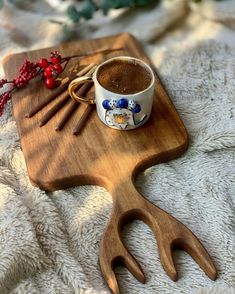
pixel 139 61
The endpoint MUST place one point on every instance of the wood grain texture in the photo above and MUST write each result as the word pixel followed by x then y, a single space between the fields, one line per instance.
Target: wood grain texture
pixel 87 158
pixel 107 157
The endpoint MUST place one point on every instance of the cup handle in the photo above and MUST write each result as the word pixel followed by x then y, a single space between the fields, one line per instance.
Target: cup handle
pixel 74 84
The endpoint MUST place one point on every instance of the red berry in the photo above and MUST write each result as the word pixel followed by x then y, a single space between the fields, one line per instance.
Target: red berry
pixel 20 81
pixel 55 60
pixel 58 68
pixel 55 57
pixel 3 100
pixel 49 83
pixel 48 72
pixel 43 63
pixel 27 67
pixel 2 82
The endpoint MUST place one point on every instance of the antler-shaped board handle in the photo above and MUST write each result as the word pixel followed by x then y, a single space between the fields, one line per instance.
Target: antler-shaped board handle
pixel 169 232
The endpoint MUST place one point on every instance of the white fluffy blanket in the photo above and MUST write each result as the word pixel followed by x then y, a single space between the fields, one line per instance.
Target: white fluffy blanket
pixel 49 242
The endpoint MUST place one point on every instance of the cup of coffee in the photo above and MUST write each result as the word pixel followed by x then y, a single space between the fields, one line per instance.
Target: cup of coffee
pixel 124 89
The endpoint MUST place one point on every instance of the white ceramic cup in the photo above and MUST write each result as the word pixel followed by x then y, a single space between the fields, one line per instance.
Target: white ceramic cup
pixel 119 111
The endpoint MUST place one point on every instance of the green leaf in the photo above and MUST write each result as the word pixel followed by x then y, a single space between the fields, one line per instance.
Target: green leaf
pixel 73 13
pixel 88 9
pixel 116 4
pixel 1 4
pixel 143 2
pixel 106 5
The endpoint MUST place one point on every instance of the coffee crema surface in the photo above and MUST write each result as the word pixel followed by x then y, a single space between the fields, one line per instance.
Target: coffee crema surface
pixel 124 77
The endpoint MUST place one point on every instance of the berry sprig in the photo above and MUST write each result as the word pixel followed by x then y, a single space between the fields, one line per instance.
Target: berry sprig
pixel 48 69
pixel 51 69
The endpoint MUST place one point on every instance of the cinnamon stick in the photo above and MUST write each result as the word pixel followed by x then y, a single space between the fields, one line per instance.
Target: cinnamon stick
pixel 73 104
pixel 57 92
pixel 82 120
pixel 52 111
pixel 86 70
pixel 49 98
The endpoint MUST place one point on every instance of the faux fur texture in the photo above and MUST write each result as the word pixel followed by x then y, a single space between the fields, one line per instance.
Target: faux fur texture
pixel 49 242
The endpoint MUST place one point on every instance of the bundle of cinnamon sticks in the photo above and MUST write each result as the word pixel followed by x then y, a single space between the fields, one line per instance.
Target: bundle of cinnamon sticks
pixel 65 99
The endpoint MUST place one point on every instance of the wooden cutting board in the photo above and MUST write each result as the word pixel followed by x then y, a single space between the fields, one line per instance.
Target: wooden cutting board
pixel 100 155
pixel 107 157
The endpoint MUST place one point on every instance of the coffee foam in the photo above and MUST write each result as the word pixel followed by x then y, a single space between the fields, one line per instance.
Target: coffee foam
pixel 124 77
